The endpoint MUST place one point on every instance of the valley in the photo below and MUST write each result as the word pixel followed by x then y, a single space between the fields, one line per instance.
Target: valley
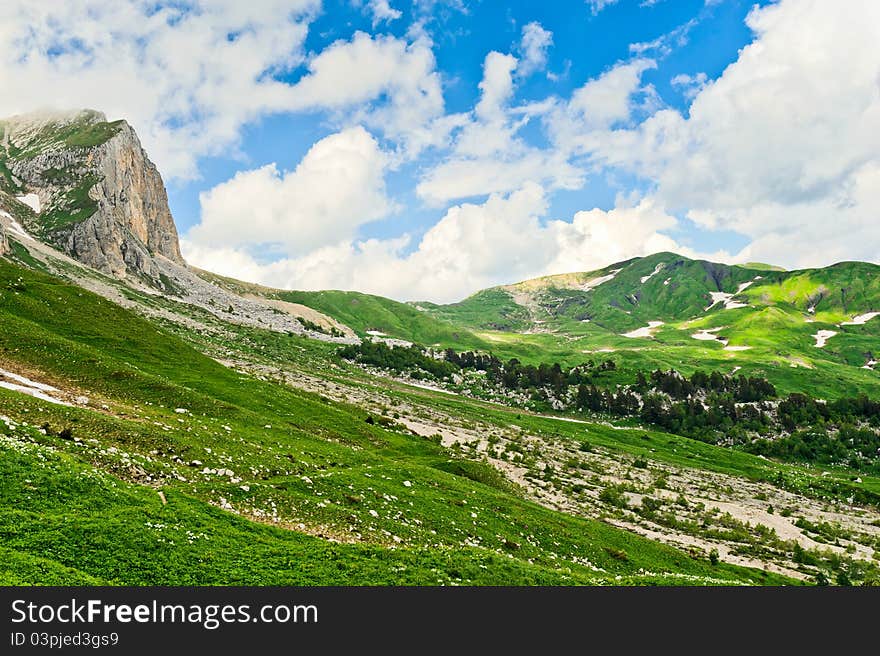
pixel 160 424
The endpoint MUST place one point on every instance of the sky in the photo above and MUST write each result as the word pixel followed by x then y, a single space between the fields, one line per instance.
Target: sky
pixel 426 149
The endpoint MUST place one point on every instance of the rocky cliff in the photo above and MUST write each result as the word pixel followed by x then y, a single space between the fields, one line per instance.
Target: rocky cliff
pixel 94 192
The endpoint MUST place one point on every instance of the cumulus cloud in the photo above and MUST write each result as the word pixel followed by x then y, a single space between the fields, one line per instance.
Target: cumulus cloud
pixel 690 85
pixel 187 75
pixel 337 187
pixel 387 83
pixel 487 155
pixel 382 11
pixel 784 146
pixel 496 86
pixel 534 45
pixel 474 245
pixel 608 99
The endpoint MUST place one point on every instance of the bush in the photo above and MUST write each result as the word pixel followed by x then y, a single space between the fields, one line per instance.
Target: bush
pixel 614 496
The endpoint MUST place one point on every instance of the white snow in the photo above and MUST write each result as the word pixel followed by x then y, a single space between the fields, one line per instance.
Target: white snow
pixel 734 370
pixel 823 336
pixel 737 348
pixel 744 286
pixel 31 200
pixel 376 333
pixel 16 229
pixel 28 386
pixel 657 269
pixel 725 298
pixel 647 331
pixel 595 282
pixel 861 319
pixel 666 282
pixel 871 364
pixel 429 387
pixel 31 391
pixel 27 381
pixel 709 335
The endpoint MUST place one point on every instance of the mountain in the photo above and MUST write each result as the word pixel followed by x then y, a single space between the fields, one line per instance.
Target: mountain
pixel 86 186
pixel 662 420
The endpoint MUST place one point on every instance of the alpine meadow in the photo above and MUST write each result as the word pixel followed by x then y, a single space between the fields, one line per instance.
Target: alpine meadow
pixel 310 385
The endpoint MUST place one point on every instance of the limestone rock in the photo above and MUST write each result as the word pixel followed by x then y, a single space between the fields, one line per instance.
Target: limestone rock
pixel 103 201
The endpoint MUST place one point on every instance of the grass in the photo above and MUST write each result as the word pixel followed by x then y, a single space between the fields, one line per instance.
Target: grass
pixel 86 508
pixel 363 312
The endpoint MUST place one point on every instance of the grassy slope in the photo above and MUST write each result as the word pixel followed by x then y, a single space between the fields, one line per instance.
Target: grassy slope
pixel 318 463
pixel 576 325
pixel 363 312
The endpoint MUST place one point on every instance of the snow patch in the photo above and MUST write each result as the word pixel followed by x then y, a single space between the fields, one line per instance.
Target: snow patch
pixel 822 337
pixel 595 282
pixel 737 348
pixel 31 200
pixel 726 299
pixel 709 335
pixel 744 286
pixel 657 269
pixel 861 319
pixel 376 333
pixel 666 282
pixel 15 228
pixel 429 387
pixel 870 365
pixel 27 381
pixel 28 386
pixel 647 331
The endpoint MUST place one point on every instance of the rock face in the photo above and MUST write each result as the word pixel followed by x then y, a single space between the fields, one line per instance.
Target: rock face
pixel 102 200
pixel 4 243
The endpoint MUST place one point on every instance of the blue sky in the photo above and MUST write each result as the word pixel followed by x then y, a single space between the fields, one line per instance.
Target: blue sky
pixel 584 45
pixel 425 149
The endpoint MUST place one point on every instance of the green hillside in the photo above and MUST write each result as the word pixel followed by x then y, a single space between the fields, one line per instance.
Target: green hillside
pixel 365 312
pixel 768 317
pixel 80 493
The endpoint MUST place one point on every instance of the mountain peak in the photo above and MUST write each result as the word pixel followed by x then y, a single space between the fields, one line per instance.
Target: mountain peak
pixel 101 199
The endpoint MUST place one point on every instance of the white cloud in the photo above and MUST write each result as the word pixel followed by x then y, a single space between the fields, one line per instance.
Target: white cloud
pixel 382 81
pixel 598 5
pixel 465 178
pixel 186 75
pixel 382 12
pixel 596 238
pixel 607 101
pixel 690 85
pixel 781 147
pixel 534 45
pixel 472 247
pixel 487 155
pixel 496 86
pixel 337 187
